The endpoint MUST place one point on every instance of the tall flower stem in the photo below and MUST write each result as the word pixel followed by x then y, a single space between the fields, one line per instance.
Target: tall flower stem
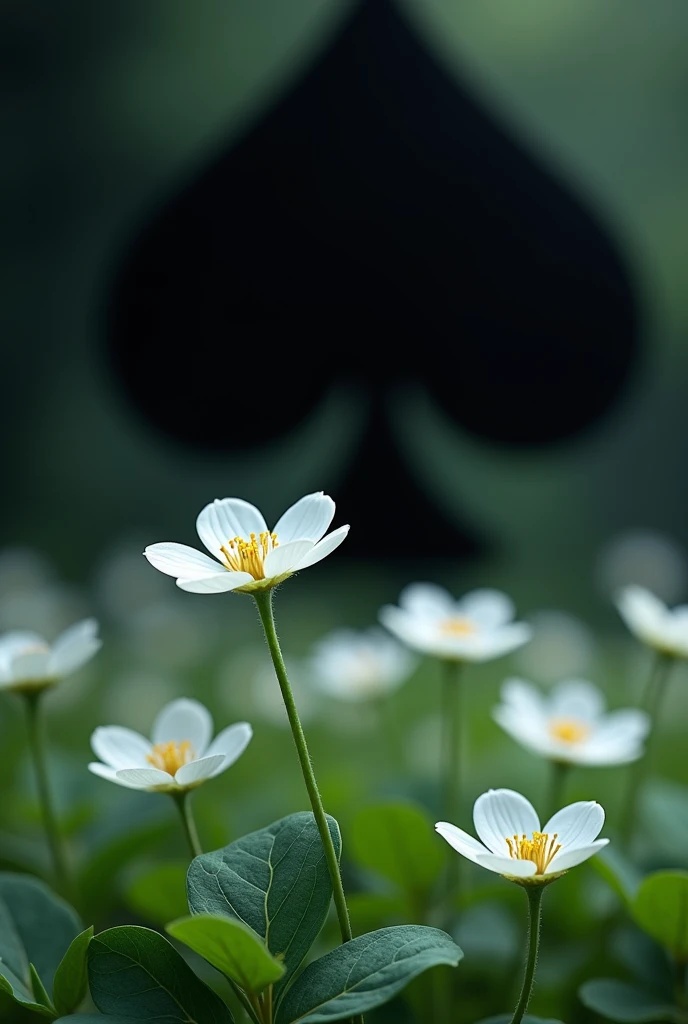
pixel 559 775
pixel 183 802
pixel 651 703
pixel 37 744
pixel 534 894
pixel 451 762
pixel 263 599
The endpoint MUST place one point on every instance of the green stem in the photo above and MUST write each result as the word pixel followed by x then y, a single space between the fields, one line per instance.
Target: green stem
pixel 534 894
pixel 451 766
pixel 264 602
pixel 37 744
pixel 557 782
pixel 263 599
pixel 183 802
pixel 651 703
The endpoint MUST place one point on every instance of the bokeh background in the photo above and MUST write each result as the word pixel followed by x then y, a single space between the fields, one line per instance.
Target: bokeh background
pixel 427 256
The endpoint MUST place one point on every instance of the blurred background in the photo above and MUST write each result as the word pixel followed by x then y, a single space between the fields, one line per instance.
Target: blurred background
pixel 427 255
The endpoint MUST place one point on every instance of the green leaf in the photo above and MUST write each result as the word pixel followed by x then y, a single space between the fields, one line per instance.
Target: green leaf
pixel 629 1004
pixel 136 972
pixel 365 972
pixel 39 992
pixel 71 977
pixel 618 872
pixel 36 927
pixel 230 946
pixel 158 894
pixel 97 1018
pixel 660 908
pixel 275 880
pixel 398 841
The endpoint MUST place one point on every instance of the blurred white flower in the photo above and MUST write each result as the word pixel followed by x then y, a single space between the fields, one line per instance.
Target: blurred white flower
pixel 476 628
pixel 513 844
pixel 569 724
pixel 356 666
pixel 664 629
pixel 180 755
pixel 561 647
pixel 249 556
pixel 28 662
pixel 646 558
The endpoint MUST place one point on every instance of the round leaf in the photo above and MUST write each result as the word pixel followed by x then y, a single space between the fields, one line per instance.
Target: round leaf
pixel 628 1004
pixel 661 909
pixel 71 976
pixel 364 973
pixel 275 880
pixel 230 946
pixel 398 841
pixel 135 972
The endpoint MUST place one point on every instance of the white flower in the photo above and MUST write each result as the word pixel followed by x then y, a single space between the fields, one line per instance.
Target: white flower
pixel 570 724
pixel 665 629
pixel 249 556
pixel 513 844
pixel 355 665
pixel 28 662
pixel 476 628
pixel 179 756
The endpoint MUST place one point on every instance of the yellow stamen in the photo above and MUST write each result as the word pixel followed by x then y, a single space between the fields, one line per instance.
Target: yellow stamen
pixel 249 555
pixel 169 757
pixel 458 625
pixel 569 730
pixel 540 849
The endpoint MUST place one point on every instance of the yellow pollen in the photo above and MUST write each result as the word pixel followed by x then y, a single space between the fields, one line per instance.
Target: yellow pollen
pixel 540 849
pixel 249 555
pixel 169 757
pixel 458 626
pixel 569 730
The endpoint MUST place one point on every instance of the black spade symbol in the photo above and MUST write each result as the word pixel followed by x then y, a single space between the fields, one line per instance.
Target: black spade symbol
pixel 378 225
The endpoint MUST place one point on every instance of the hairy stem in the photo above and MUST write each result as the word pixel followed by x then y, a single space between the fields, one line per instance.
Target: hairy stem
pixel 534 894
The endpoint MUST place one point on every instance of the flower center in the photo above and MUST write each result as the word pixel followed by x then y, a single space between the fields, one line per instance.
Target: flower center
pixel 458 625
pixel 170 757
pixel 569 730
pixel 540 849
pixel 249 555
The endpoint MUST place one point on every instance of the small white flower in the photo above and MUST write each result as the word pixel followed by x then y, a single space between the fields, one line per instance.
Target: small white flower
pixel 179 756
pixel 513 844
pixel 249 556
pixel 664 629
pixel 570 724
pixel 356 666
pixel 28 662
pixel 476 628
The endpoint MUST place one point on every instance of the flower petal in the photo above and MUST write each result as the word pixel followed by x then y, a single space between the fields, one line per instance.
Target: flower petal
pixel 198 771
pixel 181 560
pixel 220 584
pixel 627 723
pixel 231 742
pixel 523 697
pixel 576 825
pixel 529 732
pixel 643 612
pixel 566 859
pixel 120 747
pixel 106 772
pixel 74 648
pixel 461 841
pixel 182 720
pixel 144 778
pixel 283 558
pixel 307 519
pixel 489 608
pixel 31 665
pixel 427 601
pixel 500 814
pixel 507 865
pixel 227 518
pixel 323 548
pixel 496 643
pixel 577 698
pixel 18 640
